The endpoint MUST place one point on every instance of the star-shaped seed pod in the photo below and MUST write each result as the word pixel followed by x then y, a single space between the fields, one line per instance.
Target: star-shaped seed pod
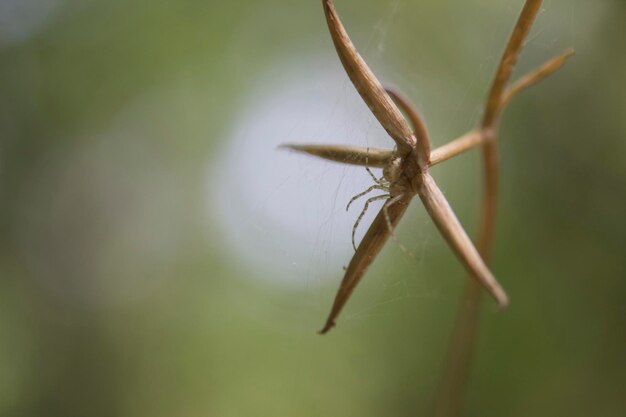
pixel 406 167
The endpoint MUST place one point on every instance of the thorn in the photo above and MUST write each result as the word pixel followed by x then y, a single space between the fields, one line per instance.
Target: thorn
pixel 329 325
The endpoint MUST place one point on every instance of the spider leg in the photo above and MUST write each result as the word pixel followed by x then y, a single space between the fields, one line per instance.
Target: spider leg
pixel 358 220
pixel 359 195
pixel 376 180
pixel 388 204
pixel 369 171
pixel 382 181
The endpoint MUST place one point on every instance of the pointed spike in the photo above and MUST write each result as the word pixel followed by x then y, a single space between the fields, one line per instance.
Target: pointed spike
pixel 353 155
pixel 366 83
pixel 451 229
pixel 370 246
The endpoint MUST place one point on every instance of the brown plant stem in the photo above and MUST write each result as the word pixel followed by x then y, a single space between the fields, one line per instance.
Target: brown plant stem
pixel 508 61
pixel 457 146
pixel 450 395
pixel 451 391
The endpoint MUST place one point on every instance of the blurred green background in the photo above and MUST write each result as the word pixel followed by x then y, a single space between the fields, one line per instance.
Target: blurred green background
pixel 127 290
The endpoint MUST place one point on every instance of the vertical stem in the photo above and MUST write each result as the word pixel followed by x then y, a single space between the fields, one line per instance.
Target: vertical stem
pixel 451 394
pixel 491 169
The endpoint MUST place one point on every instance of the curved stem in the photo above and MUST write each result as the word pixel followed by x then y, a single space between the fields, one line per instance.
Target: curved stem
pixel 419 126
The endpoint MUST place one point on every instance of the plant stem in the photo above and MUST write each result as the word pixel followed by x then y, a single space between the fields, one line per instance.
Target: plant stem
pixel 456 147
pixel 451 394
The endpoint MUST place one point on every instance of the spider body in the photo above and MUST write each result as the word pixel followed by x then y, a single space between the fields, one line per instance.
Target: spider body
pixel 393 173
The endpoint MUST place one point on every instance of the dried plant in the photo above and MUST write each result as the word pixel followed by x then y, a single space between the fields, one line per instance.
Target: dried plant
pixel 405 168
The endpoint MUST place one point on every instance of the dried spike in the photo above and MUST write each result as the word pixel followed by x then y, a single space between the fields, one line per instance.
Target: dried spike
pixel 451 229
pixel 367 85
pixel 353 155
pixel 373 241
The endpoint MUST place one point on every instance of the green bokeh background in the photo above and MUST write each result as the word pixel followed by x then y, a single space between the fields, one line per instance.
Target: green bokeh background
pixel 118 299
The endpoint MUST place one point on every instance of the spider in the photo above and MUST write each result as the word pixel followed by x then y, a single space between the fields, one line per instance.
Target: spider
pixel 383 184
pixel 406 167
